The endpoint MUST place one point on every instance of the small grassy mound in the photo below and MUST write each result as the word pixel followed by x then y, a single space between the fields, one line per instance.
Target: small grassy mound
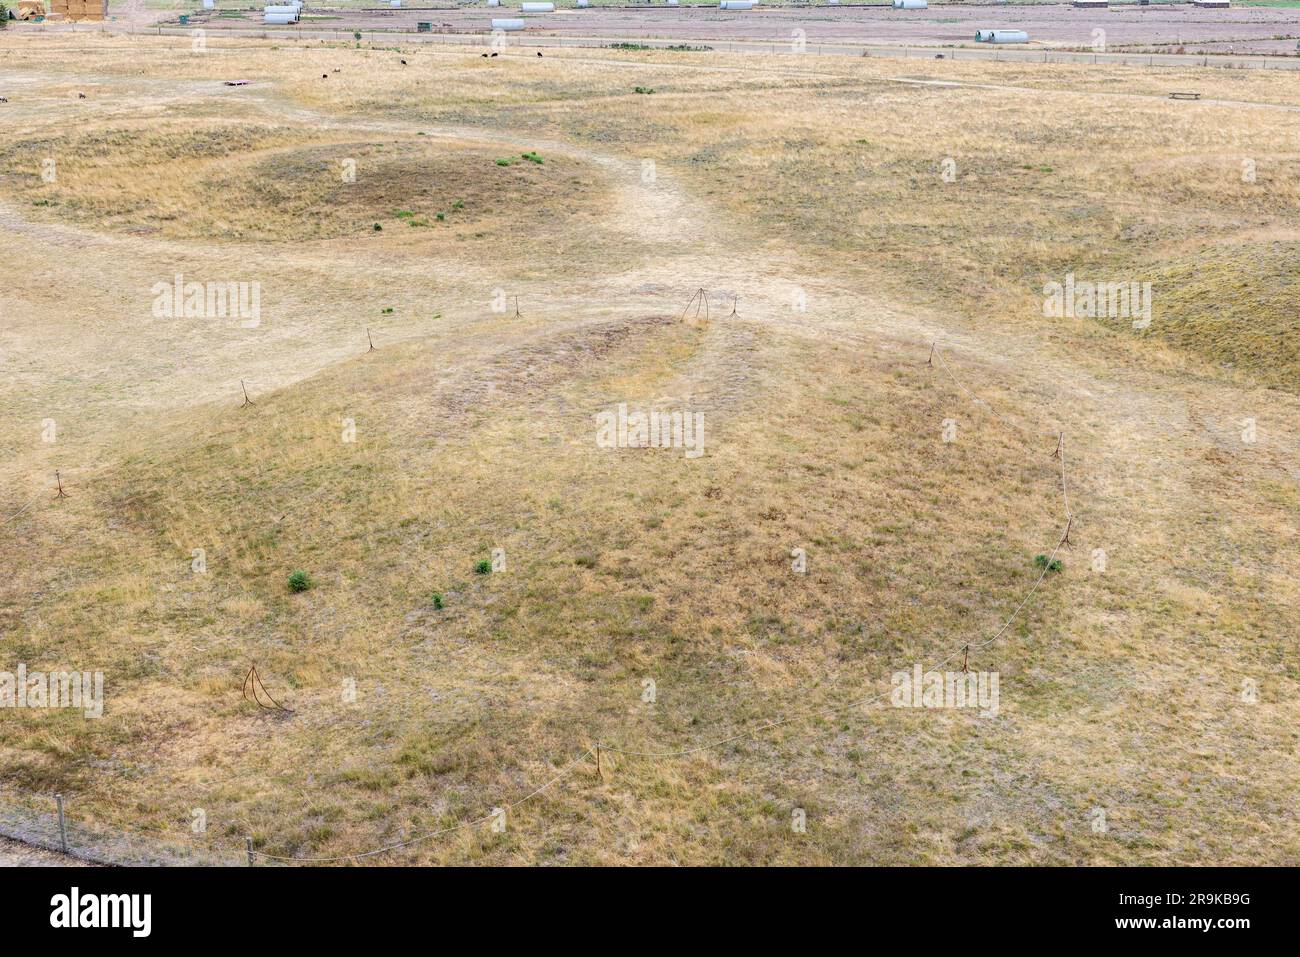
pixel 265 183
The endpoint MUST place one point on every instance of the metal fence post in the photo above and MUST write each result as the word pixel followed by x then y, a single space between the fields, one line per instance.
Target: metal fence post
pixel 248 846
pixel 63 826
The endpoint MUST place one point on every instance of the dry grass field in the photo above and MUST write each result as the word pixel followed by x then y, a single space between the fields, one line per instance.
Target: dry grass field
pixel 511 300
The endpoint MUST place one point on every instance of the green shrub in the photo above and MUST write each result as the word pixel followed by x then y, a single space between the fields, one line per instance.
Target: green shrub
pixel 436 599
pixel 503 162
pixel 299 580
pixel 1052 565
pixel 532 157
pixel 482 567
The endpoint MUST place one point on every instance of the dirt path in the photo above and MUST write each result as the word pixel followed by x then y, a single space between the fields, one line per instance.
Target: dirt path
pixel 166 367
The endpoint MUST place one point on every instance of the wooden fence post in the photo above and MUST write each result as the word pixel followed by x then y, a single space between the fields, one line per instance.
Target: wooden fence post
pixel 63 825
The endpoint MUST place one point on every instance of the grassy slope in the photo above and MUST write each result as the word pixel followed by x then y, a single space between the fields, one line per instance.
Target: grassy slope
pixel 1120 690
pixel 608 553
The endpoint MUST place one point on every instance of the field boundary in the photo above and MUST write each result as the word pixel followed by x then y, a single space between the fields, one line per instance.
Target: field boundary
pixel 854 49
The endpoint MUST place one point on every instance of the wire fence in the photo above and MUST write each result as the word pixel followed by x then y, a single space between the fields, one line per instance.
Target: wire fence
pixel 56 824
pixel 46 822
pixel 849 48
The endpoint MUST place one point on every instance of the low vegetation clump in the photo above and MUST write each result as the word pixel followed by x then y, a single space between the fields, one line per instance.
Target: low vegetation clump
pixel 299 580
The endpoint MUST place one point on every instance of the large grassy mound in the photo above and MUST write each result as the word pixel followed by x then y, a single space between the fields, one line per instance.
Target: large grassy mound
pixel 622 565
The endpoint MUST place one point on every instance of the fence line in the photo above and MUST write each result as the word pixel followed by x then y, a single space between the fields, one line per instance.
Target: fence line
pixel 38 820
pixel 854 48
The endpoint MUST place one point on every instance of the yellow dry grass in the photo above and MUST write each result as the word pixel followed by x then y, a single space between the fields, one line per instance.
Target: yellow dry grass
pixel 806 193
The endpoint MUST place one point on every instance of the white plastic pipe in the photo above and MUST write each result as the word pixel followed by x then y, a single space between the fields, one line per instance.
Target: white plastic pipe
pixel 507 24
pixel 1001 36
pixel 279 19
pixel 910 4
pixel 736 5
pixel 536 8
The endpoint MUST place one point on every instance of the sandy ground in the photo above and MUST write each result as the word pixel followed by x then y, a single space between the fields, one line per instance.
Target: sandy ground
pixel 1241 30
pixel 17 854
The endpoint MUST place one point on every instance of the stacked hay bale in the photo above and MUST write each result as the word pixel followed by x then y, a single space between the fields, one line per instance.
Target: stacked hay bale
pixel 79 9
pixel 30 9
